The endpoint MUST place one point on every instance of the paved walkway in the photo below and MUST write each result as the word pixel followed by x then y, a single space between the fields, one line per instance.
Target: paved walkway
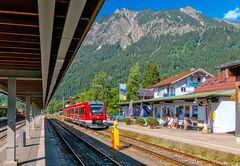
pixel 220 142
pixel 29 155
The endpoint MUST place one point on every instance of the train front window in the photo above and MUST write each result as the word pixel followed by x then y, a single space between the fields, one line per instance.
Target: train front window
pixel 96 110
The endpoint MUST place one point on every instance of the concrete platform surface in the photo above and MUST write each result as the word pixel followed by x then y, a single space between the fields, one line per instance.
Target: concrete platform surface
pixel 34 152
pixel 29 155
pixel 220 142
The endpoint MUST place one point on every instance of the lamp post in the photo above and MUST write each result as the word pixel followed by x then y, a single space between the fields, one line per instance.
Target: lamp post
pixel 141 107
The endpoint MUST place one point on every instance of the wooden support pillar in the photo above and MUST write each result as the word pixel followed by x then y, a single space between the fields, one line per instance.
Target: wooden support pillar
pixel 209 116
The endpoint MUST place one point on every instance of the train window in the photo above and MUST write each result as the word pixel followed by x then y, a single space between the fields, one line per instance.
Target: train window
pixel 82 111
pixel 76 111
pixel 96 109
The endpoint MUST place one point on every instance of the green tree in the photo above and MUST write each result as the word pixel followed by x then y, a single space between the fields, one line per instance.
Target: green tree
pixel 85 95
pixel 133 82
pixel 99 87
pixel 151 75
pixel 113 101
pixel 57 106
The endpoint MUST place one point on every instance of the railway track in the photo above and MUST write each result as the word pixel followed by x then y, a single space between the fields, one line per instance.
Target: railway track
pixel 169 155
pixel 174 156
pixel 3 132
pixel 84 152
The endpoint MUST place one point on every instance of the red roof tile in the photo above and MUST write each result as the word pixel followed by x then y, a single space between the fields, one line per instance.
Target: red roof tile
pixel 218 82
pixel 173 79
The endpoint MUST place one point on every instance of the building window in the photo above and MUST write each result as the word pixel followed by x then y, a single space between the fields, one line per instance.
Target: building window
pixel 180 112
pixel 195 111
pixel 81 111
pixel 183 89
pixel 187 111
pixel 199 79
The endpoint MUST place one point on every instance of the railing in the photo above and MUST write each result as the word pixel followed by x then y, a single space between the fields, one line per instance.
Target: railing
pixel 168 95
pixel 194 84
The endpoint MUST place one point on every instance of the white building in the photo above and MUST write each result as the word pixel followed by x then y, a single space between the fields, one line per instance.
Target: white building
pixel 212 102
pixel 181 84
pixel 215 109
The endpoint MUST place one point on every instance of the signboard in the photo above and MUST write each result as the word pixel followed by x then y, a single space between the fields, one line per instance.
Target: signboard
pixel 122 92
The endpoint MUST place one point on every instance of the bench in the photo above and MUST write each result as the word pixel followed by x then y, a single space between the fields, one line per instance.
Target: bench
pixel 198 128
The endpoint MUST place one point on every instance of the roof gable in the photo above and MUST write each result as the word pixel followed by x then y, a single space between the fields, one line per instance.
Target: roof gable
pixel 218 82
pixel 178 77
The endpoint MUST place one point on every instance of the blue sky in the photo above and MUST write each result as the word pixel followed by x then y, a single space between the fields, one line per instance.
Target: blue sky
pixel 229 9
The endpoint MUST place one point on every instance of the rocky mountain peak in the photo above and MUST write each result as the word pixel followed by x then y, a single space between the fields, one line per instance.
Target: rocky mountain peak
pixel 126 12
pixel 125 26
pixel 191 12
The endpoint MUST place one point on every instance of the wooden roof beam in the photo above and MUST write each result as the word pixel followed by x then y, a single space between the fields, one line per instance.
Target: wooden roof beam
pixel 20 48
pixel 26 62
pixel 18 34
pixel 18 13
pixel 20 41
pixel 4 56
pixel 20 25
pixel 19 53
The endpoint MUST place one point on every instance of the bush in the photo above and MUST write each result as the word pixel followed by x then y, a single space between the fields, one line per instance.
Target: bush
pixel 140 121
pixel 152 121
pixel 128 121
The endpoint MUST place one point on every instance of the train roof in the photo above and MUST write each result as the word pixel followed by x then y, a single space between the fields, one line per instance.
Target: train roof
pixel 88 101
pixel 94 102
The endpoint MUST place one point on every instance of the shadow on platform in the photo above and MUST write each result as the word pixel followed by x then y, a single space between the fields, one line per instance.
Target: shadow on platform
pixel 29 161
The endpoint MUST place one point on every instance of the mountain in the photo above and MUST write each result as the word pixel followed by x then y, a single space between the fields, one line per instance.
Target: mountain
pixel 176 40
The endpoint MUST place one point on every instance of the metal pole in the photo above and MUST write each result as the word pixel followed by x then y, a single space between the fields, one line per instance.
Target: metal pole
pixel 237 130
pixel 11 118
pixel 63 102
pixel 28 116
pixel 119 110
pixel 141 114
pixel 33 116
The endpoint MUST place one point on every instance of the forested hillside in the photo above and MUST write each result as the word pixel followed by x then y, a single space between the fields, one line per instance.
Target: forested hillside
pixel 176 40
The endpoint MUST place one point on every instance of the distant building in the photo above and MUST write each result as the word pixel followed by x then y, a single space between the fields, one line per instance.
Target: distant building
pixel 145 93
pixel 213 100
pixel 224 107
pixel 181 84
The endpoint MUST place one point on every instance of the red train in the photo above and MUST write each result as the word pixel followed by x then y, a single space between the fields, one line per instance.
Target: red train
pixel 20 113
pixel 90 114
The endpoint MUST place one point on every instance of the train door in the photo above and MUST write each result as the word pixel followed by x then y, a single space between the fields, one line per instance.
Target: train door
pixel 71 114
pixel 75 114
pixel 82 115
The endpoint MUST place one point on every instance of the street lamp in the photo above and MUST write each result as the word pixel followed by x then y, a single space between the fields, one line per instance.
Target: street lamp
pixel 144 91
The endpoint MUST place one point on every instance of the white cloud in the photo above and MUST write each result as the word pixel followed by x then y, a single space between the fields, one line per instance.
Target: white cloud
pixel 232 14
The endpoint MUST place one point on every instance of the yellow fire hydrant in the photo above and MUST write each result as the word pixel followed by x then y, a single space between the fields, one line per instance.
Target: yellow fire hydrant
pixel 115 136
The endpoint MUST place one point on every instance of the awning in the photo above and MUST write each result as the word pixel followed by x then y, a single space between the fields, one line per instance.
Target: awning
pixel 186 97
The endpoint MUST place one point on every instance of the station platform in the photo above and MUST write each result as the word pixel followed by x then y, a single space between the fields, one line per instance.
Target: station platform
pixel 34 151
pixel 222 143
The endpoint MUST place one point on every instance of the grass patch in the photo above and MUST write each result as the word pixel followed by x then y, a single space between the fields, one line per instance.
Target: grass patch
pixel 232 158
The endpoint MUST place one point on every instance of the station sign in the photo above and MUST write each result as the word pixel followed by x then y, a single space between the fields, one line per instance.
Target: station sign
pixel 122 92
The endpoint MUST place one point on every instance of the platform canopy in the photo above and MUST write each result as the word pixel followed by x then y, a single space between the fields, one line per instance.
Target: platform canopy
pixel 38 41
